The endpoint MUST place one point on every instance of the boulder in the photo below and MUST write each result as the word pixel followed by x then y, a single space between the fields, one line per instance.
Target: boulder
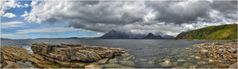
pixel 114 60
pixel 127 63
pixel 166 62
pixel 93 66
pixel 103 61
pixel 10 64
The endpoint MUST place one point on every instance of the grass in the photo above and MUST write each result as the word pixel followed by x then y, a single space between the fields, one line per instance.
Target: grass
pixel 222 32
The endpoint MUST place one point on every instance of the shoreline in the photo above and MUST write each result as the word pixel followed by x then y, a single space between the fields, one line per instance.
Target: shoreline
pixel 220 54
pixel 197 49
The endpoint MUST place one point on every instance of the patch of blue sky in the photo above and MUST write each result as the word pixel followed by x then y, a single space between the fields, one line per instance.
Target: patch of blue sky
pixel 13 32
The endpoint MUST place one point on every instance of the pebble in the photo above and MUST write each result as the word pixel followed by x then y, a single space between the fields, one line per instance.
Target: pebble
pixel 210 60
pixel 201 62
pixel 103 61
pixel 166 62
pixel 151 62
pixel 197 57
pixel 181 60
pixel 92 66
pixel 204 51
pixel 191 67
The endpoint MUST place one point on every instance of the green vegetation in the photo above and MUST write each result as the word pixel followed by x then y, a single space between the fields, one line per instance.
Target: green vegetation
pixel 222 32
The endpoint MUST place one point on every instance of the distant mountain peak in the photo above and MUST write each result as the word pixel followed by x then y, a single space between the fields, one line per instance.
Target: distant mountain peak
pixel 113 34
pixel 152 36
pixel 113 31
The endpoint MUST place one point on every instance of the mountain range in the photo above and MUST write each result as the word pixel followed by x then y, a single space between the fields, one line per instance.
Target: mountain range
pixel 221 32
pixel 123 35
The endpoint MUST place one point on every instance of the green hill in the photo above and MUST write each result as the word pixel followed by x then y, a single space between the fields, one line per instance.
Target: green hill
pixel 222 32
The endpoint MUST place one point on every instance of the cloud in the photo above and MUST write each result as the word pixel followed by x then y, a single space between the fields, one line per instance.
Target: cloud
pixel 169 17
pixel 25 14
pixel 49 30
pixel 7 4
pixel 9 15
pixel 14 36
pixel 12 24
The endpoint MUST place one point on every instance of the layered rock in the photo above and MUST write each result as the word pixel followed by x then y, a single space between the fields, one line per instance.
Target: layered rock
pixel 61 56
pixel 66 52
pixel 11 54
pixel 14 57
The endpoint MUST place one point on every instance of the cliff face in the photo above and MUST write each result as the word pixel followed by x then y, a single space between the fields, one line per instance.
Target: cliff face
pixel 222 32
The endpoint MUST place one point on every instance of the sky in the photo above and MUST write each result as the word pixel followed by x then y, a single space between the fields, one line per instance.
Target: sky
pixel 23 19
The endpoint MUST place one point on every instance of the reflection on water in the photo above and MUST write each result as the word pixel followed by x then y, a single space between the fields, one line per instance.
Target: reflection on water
pixel 147 53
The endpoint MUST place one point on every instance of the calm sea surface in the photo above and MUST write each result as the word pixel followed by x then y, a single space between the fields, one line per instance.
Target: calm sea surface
pixel 143 50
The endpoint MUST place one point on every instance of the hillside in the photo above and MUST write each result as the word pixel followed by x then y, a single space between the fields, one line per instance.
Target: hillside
pixel 222 32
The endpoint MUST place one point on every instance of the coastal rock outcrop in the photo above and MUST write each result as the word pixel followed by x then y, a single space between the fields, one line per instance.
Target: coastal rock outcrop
pixel 66 52
pixel 14 57
pixel 62 56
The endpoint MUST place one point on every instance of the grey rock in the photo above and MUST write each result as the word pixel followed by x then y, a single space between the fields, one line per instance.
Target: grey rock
pixel 127 63
pixel 103 61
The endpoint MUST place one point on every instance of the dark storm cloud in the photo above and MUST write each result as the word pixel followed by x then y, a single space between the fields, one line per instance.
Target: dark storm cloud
pixel 189 11
pixel 169 17
pixel 179 11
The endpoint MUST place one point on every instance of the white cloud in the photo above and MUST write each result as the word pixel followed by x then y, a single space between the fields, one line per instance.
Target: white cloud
pixel 26 5
pixel 9 15
pixel 14 36
pixel 170 17
pixel 25 14
pixel 44 33
pixel 12 24
pixel 7 4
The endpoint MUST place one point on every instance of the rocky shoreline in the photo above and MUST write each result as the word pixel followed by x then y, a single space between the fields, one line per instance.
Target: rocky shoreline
pixel 220 54
pixel 65 56
pixel 215 54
